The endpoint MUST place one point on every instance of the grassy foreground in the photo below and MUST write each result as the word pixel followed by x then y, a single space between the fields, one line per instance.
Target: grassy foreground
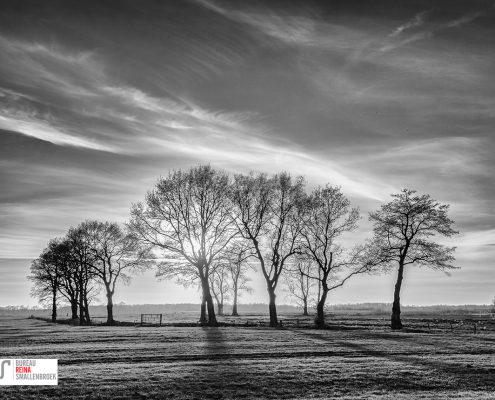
pixel 132 362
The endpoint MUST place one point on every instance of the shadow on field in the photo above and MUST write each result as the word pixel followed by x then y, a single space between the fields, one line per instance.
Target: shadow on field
pixel 217 350
pixel 472 375
pixel 221 367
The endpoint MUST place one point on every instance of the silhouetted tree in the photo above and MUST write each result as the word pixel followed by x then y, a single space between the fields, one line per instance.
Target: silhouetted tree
pixel 400 235
pixel 187 216
pixel 266 212
pixel 45 275
pixel 81 258
pixel 219 284
pixel 238 255
pixel 57 257
pixel 299 283
pixel 69 287
pixel 115 255
pixel 327 215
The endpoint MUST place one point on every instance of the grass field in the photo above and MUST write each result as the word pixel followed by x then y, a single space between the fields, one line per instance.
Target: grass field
pixel 359 358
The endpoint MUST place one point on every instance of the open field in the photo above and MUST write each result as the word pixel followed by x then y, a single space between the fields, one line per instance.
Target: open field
pixel 359 358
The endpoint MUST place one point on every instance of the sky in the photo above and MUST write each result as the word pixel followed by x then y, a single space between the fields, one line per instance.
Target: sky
pixel 99 99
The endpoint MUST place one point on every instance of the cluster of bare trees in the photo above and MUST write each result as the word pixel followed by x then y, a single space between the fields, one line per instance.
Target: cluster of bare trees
pixel 205 222
pixel 91 258
pixel 211 228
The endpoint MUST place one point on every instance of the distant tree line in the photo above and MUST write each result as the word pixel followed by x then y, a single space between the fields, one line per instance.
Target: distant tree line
pixel 210 228
pixel 188 308
pixel 371 308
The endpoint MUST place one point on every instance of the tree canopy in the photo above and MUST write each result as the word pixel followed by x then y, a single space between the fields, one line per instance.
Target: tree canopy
pixel 402 230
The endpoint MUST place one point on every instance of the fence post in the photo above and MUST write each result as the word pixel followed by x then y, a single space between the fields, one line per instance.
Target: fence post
pixel 141 319
pixel 161 319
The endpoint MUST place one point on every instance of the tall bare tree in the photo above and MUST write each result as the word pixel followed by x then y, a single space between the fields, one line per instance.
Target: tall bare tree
pixel 401 231
pixel 299 283
pixel 220 285
pixel 328 214
pixel 46 277
pixel 115 255
pixel 82 257
pixel 187 216
pixel 267 214
pixel 238 256
pixel 69 287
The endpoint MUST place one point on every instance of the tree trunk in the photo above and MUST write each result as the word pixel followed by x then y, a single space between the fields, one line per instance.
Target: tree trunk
pixel 396 322
pixel 86 308
pixel 319 286
pixel 320 308
pixel 272 307
pixel 81 305
pixel 212 319
pixel 110 320
pixel 305 307
pixel 202 317
pixel 234 307
pixel 54 306
pixel 73 308
pixel 219 303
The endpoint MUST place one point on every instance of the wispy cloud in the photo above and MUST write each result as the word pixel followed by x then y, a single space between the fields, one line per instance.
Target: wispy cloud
pixel 414 22
pixel 417 21
pixel 283 27
pixel 402 43
pixel 117 117
pixel 18 114
pixel 113 115
pixel 464 20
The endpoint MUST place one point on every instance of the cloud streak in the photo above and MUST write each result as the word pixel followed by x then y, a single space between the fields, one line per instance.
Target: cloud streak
pixel 286 28
pixel 418 20
pixel 116 114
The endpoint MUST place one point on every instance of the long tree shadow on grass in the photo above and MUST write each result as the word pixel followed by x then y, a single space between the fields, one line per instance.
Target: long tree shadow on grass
pixel 468 375
pixel 220 368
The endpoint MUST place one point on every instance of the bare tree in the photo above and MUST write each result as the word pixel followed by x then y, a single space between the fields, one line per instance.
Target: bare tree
pixel 56 265
pixel 299 283
pixel 327 216
pixel 267 214
pixel 187 217
pixel 81 258
pixel 115 255
pixel 45 275
pixel 238 255
pixel 400 235
pixel 69 287
pixel 219 284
